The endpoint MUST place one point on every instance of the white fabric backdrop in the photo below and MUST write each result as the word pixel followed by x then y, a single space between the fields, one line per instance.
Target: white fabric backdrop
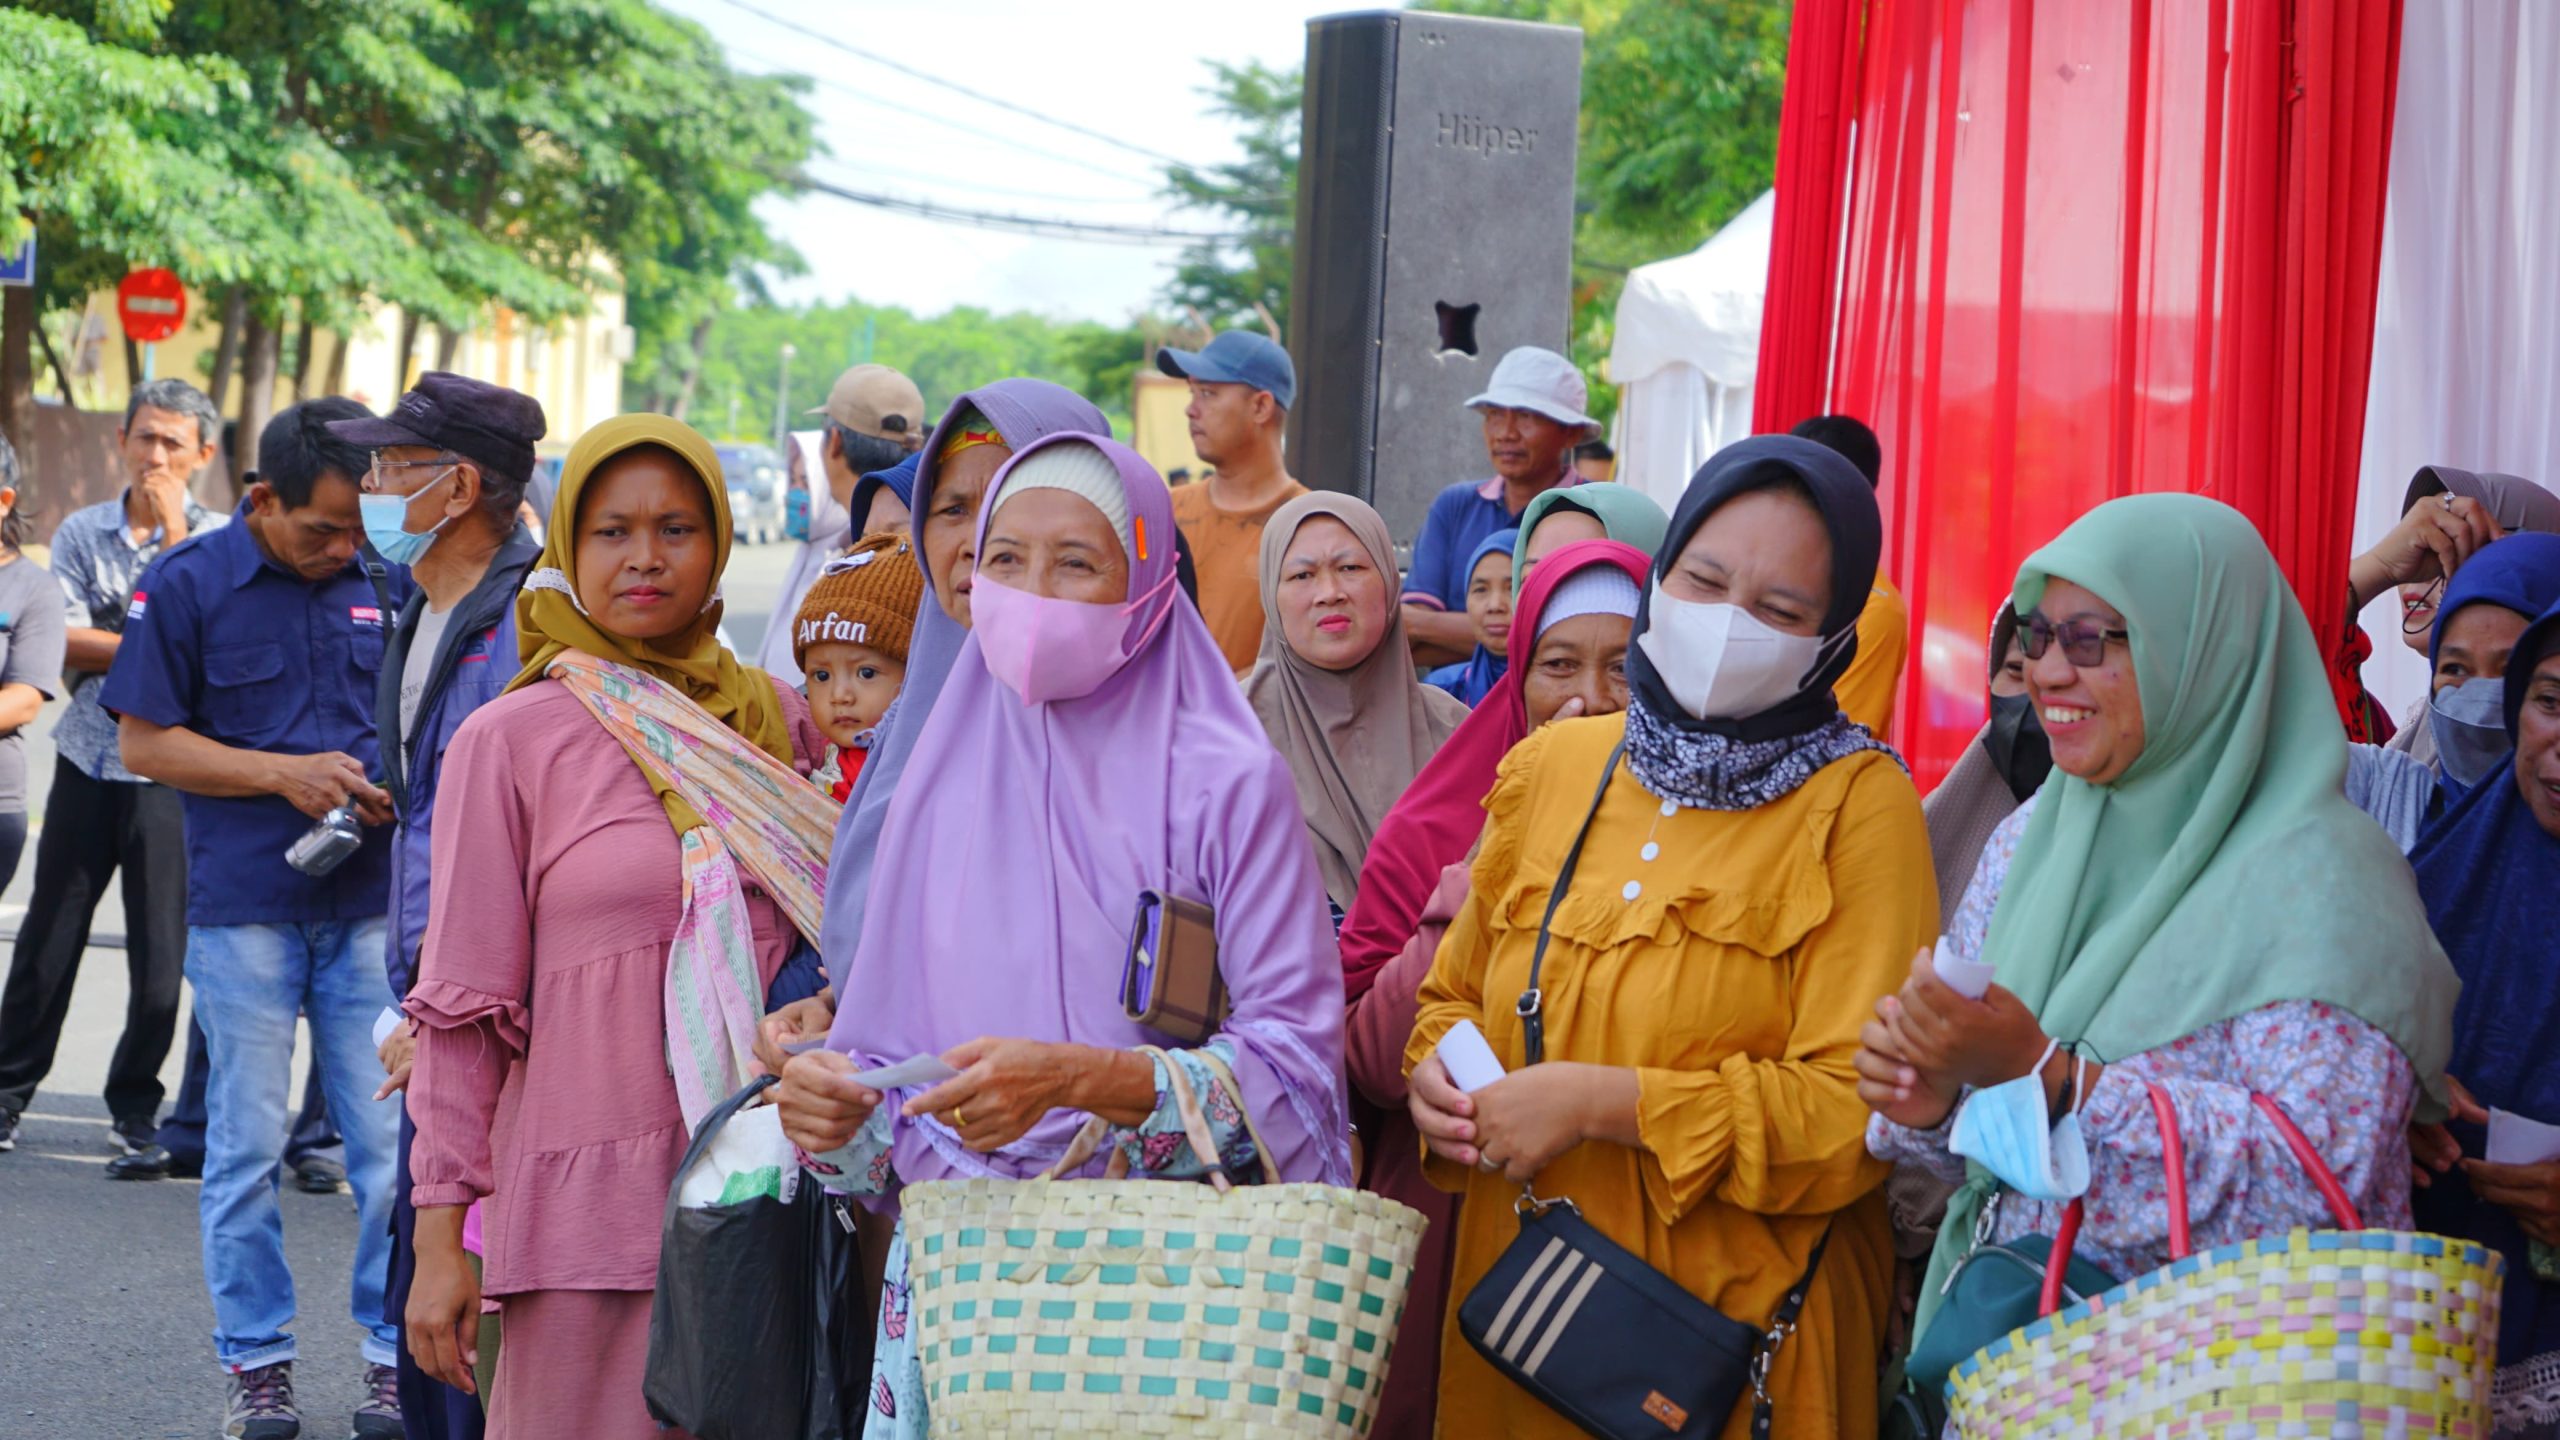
pixel 1685 353
pixel 2466 349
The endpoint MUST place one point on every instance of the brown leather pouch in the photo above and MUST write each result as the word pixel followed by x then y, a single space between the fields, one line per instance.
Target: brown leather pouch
pixel 1170 981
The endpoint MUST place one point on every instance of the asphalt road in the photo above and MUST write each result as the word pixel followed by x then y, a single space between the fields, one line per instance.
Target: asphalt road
pixel 105 1327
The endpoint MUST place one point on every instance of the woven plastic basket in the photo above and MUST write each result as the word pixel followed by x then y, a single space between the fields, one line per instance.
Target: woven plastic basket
pixel 2311 1333
pixel 1153 1307
pixel 2366 1332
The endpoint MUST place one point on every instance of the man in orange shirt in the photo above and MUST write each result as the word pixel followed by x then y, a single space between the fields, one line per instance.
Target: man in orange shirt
pixel 1241 386
pixel 1884 627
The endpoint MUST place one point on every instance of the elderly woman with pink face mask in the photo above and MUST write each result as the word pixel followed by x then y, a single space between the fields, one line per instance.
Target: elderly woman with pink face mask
pixel 1089 745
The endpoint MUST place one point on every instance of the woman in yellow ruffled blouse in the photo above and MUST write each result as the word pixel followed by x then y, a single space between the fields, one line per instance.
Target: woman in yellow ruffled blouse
pixel 1755 875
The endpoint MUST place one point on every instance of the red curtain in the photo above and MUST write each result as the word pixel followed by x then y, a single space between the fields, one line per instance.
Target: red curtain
pixel 2058 251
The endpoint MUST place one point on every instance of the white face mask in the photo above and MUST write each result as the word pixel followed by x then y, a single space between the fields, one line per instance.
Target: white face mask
pixel 1721 662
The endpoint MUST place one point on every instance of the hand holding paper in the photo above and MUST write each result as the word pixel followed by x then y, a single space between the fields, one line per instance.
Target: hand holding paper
pixel 1968 978
pixel 1468 1057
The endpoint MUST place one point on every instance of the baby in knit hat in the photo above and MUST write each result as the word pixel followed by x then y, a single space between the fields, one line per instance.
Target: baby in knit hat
pixel 850 641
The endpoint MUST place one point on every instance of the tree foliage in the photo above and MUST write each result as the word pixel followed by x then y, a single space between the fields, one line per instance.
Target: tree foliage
pixel 945 354
pixel 447 156
pixel 1255 197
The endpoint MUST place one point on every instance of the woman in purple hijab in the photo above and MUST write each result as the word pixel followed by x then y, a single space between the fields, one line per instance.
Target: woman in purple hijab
pixel 1090 743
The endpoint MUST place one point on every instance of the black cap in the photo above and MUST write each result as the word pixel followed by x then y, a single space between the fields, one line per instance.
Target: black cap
pixel 489 425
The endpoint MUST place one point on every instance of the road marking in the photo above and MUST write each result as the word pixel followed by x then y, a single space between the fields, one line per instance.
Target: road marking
pixel 64 1119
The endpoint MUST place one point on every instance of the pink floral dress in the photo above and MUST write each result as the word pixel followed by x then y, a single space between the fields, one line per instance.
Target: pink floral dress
pixel 2344 1083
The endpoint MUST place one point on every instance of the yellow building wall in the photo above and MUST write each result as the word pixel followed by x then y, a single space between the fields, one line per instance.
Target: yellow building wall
pixel 573 367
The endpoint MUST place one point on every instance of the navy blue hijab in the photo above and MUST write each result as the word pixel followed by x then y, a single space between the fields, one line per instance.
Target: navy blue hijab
pixel 2490 876
pixel 1847 504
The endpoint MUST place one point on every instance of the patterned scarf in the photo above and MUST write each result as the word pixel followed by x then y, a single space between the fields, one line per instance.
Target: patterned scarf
pixel 757 814
pixel 1716 772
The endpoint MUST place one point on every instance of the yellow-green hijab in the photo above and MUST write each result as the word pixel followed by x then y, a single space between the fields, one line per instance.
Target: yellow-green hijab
pixel 549 620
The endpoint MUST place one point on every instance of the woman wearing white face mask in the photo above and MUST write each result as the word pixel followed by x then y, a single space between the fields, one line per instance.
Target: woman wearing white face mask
pixel 2481 612
pixel 1752 873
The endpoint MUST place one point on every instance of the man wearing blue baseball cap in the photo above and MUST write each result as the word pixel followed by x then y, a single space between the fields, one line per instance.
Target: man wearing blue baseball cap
pixel 1241 386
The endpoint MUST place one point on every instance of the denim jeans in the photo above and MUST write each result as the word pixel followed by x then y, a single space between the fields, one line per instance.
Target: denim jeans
pixel 250 982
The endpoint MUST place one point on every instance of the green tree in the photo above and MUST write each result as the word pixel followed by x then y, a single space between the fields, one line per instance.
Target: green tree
pixel 89 161
pixel 306 157
pixel 946 354
pixel 1244 281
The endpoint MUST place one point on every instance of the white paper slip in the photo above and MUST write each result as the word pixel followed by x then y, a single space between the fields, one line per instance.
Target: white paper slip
pixel 1968 978
pixel 1470 1061
pixel 914 1070
pixel 2514 1140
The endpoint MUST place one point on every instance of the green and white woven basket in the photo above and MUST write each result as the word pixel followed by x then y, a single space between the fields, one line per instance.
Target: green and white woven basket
pixel 1155 1307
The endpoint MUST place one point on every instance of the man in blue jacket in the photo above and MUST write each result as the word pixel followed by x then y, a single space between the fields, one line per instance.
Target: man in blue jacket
pixel 245 681
pixel 450 466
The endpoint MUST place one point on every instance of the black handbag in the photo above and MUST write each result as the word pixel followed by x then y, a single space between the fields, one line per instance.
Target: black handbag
pixel 1584 1324
pixel 754 1331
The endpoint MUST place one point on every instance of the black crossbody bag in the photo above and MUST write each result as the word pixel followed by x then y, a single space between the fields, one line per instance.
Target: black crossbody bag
pixel 1588 1327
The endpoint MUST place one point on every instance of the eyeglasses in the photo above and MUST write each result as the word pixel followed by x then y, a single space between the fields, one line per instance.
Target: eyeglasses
pixel 2084 642
pixel 374 477
pixel 2426 606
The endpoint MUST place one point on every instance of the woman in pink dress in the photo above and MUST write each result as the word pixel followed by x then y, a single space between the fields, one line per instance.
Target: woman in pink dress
pixel 574 867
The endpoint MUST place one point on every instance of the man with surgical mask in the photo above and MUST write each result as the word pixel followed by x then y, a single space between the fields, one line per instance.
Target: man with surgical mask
pixel 2485 607
pixel 451 463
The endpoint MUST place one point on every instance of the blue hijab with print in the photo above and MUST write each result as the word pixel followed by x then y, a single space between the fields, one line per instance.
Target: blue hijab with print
pixel 1473 678
pixel 2490 876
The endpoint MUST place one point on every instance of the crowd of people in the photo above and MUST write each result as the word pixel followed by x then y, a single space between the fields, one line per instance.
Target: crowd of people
pixel 550 871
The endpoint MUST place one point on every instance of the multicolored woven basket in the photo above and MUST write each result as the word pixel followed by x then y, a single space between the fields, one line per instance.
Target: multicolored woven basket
pixel 2319 1332
pixel 1155 1307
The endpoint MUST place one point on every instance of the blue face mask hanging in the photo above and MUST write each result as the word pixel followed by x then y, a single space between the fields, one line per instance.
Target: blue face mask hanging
pixel 386 518
pixel 2470 725
pixel 2008 1129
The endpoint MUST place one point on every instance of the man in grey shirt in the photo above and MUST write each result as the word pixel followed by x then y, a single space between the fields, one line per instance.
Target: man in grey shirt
pixel 102 817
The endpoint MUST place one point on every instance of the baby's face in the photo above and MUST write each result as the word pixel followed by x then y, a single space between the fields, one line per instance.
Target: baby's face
pixel 849 687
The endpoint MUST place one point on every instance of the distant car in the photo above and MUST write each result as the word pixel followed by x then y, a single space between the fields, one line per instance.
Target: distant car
pixel 755 478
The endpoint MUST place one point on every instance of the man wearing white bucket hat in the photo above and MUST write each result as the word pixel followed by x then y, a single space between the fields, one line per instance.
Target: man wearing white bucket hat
pixel 1533 418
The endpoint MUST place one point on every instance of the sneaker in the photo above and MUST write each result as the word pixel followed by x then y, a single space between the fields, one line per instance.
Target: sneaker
pixel 378 1418
pixel 261 1404
pixel 8 1130
pixel 148 1163
pixel 319 1175
pixel 133 1134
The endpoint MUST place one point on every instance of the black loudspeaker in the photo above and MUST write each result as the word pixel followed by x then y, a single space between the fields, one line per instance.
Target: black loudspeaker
pixel 1435 232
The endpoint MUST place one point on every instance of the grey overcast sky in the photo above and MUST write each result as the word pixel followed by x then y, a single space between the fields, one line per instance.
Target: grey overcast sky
pixel 1131 71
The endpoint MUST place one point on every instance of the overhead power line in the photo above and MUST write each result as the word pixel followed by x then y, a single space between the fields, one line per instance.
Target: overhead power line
pixel 1047 226
pixel 932 117
pixel 956 87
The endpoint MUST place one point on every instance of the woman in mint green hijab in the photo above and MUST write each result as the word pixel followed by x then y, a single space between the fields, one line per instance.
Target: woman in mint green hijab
pixel 1596 511
pixel 2190 902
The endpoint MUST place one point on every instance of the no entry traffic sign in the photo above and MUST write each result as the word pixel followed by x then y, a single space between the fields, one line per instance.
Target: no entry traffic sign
pixel 152 304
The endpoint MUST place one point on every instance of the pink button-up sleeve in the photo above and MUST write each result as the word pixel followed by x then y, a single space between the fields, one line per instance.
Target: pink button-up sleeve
pixel 475 968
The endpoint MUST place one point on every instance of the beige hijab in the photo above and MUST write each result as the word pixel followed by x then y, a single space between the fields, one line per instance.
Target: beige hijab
pixel 1355 738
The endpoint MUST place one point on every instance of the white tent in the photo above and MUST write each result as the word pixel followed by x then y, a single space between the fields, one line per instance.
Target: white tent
pixel 1688 346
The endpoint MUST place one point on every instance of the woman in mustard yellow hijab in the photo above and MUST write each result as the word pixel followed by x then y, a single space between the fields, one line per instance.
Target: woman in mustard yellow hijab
pixel 625 849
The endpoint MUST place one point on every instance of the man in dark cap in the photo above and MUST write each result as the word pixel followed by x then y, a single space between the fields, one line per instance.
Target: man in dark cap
pixel 450 466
